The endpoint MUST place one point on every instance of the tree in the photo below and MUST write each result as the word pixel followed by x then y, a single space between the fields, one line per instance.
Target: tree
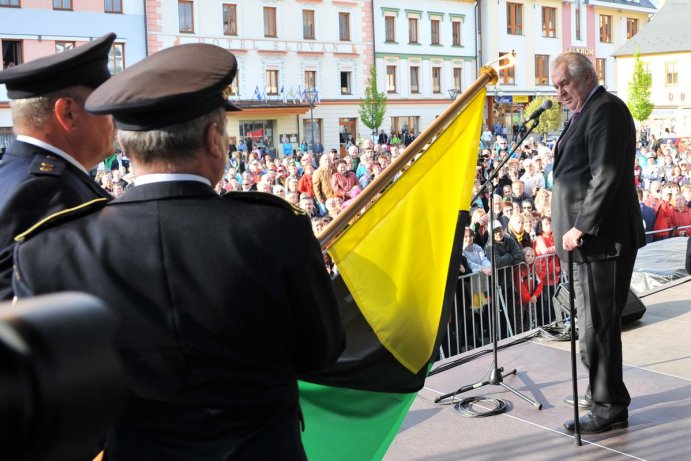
pixel 639 91
pixel 550 120
pixel 373 106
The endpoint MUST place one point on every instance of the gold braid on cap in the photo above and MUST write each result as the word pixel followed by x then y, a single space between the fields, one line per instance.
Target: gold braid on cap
pixel 227 92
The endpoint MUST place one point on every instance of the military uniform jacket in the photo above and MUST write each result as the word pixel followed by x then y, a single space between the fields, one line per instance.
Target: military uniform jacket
pixel 222 302
pixel 594 188
pixel 35 183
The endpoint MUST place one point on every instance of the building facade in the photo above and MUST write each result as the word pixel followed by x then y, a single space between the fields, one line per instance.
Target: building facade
pixel 283 48
pixel 425 53
pixel 665 51
pixel 538 31
pixel 35 28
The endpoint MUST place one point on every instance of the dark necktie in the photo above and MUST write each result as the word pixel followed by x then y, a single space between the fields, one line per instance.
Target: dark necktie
pixel 572 120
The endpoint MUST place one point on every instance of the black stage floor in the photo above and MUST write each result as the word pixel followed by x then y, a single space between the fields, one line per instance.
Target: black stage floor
pixel 657 372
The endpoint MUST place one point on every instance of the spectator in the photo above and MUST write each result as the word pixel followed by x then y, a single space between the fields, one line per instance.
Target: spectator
pixel 532 178
pixel 648 215
pixel 343 180
pixel 305 183
pixel 528 288
pixel 663 215
pixel 516 231
pixel 507 253
pixel 548 266
pixel 681 217
pixel 478 223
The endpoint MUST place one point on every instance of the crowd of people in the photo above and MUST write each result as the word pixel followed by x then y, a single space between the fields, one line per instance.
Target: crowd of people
pixel 323 185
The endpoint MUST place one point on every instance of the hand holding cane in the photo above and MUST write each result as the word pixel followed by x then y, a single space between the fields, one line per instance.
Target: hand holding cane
pixel 572 313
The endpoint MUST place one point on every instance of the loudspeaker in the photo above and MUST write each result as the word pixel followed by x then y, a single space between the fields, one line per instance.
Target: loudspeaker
pixel 633 310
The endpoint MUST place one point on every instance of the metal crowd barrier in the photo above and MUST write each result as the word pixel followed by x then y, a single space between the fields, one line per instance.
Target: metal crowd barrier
pixel 470 325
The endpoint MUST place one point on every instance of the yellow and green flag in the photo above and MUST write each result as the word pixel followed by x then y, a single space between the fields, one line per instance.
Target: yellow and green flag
pixel 398 268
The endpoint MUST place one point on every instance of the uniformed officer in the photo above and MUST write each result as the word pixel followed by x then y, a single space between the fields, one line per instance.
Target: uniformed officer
pixel 46 169
pixel 223 300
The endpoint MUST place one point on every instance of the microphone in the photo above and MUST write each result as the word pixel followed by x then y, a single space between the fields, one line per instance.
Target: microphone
pixel 546 105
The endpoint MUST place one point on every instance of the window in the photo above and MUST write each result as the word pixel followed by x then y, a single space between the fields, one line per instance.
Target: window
pixel 631 27
pixel 400 124
pixel 112 6
pixel 605 28
pixel 61 46
pixel 415 79
pixel 269 21
pixel 11 53
pixel 457 77
pixel 506 76
pixel 412 30
pixel 62 4
pixel 308 24
pixel 600 66
pixel 272 82
pixel 344 26
pixel 14 3
pixel 549 22
pixel 435 25
pixel 578 21
pixel 671 76
pixel 541 69
pixel 230 19
pixel 186 16
pixel 310 79
pixel 116 58
pixel 436 79
pixel 390 28
pixel 345 82
pixel 390 79
pixel 514 18
pixel 456 32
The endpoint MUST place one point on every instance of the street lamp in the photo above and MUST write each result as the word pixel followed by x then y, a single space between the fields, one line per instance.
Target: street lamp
pixel 311 95
pixel 453 93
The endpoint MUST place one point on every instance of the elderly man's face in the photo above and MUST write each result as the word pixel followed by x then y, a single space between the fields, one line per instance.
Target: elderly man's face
pixel 572 92
pixel 518 189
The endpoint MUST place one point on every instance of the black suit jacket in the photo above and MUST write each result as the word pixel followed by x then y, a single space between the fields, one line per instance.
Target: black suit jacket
pixel 594 188
pixel 35 183
pixel 222 302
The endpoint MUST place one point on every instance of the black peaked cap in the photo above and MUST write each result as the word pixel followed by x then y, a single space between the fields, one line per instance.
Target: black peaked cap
pixel 174 85
pixel 82 65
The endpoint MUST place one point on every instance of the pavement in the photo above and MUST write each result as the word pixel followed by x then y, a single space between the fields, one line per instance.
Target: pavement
pixel 657 372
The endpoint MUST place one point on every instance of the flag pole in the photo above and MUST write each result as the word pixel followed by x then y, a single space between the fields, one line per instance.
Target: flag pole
pixel 488 76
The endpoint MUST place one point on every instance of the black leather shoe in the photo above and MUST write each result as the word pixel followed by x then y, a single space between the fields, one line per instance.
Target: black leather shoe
pixel 583 402
pixel 591 424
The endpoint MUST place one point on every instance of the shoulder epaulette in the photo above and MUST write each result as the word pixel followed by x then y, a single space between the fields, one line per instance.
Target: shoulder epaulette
pixel 62 216
pixel 265 198
pixel 47 165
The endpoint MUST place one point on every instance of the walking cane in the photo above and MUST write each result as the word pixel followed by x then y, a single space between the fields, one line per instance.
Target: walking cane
pixel 572 313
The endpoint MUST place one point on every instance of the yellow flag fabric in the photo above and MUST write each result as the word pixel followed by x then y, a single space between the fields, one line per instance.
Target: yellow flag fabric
pixel 395 258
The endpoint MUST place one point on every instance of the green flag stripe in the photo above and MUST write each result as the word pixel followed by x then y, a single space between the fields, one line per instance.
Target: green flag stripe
pixel 348 424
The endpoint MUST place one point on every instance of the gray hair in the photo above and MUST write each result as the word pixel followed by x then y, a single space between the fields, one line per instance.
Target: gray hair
pixel 174 143
pixel 578 64
pixel 35 112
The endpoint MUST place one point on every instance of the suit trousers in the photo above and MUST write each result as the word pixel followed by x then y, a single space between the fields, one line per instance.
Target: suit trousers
pixel 601 289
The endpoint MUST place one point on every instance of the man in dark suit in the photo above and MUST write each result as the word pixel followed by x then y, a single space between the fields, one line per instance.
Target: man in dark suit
pixel 46 169
pixel 596 216
pixel 222 300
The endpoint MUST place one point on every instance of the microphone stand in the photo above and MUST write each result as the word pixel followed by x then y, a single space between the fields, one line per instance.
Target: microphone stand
pixel 497 374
